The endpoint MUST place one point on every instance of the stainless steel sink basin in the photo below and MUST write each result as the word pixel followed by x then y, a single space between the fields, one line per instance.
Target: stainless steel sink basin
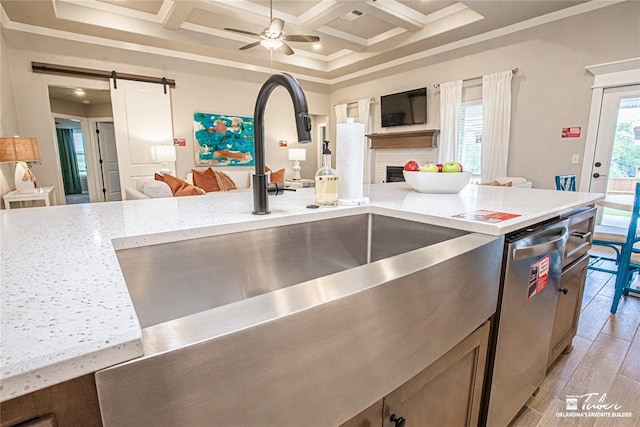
pixel 305 324
pixel 172 280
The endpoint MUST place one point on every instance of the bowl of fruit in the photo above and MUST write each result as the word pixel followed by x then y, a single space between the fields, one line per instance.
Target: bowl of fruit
pixel 446 178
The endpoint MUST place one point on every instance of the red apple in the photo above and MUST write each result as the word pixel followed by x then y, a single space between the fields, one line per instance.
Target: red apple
pixel 439 165
pixel 412 166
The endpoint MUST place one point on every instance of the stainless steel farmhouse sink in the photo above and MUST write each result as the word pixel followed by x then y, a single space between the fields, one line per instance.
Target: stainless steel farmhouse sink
pixel 176 279
pixel 301 324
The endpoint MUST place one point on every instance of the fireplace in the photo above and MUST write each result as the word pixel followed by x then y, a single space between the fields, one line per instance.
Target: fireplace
pixel 394 174
pixel 395 157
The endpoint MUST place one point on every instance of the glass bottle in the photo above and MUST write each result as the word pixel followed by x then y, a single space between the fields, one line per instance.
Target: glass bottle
pixel 326 180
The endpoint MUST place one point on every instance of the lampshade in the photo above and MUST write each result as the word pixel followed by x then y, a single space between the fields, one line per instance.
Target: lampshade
pixel 298 154
pixel 19 149
pixel 163 153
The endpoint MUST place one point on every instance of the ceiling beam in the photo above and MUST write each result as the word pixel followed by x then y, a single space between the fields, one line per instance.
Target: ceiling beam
pixel 177 13
pixel 348 41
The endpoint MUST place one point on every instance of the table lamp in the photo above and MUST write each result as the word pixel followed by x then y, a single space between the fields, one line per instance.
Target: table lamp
pixel 21 150
pixel 297 155
pixel 163 154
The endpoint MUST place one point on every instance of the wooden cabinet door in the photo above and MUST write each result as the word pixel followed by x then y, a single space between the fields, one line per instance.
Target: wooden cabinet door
pixel 71 403
pixel 565 324
pixel 448 392
pixel 370 417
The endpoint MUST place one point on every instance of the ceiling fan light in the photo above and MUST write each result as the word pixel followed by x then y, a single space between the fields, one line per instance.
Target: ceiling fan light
pixel 271 43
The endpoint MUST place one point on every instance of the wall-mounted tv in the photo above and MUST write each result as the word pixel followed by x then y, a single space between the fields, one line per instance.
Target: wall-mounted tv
pixel 404 108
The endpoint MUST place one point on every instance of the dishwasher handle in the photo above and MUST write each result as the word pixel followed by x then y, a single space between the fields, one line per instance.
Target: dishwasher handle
pixel 558 239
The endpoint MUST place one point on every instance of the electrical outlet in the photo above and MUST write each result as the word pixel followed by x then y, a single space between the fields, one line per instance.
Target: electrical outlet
pixel 575 159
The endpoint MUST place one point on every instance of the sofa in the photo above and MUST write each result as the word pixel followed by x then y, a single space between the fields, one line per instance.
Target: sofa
pixel 150 188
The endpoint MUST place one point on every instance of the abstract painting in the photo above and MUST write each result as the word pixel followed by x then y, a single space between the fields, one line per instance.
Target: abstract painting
pixel 223 140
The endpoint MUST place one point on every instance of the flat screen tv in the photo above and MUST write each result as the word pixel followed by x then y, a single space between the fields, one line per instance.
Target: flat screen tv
pixel 404 108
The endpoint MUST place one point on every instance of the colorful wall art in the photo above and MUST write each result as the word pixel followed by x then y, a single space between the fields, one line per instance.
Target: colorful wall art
pixel 223 140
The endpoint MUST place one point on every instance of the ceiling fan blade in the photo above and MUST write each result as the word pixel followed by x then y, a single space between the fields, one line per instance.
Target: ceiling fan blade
pixel 250 45
pixel 276 26
pixel 286 49
pixel 235 30
pixel 300 38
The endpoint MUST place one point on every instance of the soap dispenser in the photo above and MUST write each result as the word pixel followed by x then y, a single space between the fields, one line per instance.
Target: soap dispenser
pixel 326 180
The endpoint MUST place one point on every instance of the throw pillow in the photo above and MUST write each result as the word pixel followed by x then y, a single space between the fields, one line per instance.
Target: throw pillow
pixel 225 183
pixel 206 180
pixel 178 186
pixel 156 189
pixel 277 177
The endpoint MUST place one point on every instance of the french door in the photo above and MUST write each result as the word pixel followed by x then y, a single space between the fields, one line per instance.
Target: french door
pixel 615 161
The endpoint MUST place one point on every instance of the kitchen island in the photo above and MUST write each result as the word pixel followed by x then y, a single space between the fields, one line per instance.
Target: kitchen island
pixel 66 310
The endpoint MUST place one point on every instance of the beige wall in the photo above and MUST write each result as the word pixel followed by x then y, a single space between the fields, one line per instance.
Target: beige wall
pixel 551 91
pixel 199 87
pixel 8 118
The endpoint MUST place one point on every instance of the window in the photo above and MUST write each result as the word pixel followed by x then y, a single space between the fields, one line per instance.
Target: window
pixel 470 136
pixel 78 143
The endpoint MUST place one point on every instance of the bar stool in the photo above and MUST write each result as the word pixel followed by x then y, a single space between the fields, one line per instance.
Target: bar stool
pixel 566 182
pixel 627 266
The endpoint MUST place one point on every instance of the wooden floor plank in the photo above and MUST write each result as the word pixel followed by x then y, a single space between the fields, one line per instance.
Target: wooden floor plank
pixel 626 321
pixel 594 316
pixel 631 363
pixel 625 392
pixel 550 418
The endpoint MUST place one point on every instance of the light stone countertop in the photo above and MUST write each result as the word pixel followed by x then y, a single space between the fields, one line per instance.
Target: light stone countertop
pixel 64 306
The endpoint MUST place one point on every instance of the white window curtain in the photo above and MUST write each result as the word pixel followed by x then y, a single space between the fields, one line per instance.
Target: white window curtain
pixel 341 113
pixel 450 108
pixel 364 111
pixel 496 108
pixel 364 108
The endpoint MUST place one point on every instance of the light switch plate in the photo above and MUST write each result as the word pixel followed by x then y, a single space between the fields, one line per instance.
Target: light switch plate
pixel 575 159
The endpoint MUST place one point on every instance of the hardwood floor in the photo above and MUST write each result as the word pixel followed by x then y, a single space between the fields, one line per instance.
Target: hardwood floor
pixel 605 359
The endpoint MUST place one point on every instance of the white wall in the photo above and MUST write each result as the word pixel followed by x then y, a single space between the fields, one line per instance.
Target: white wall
pixel 199 87
pixel 551 91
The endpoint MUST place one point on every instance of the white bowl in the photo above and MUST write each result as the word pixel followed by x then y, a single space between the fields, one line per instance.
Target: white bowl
pixel 437 182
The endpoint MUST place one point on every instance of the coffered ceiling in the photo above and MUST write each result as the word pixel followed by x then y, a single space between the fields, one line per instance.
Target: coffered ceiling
pixel 356 36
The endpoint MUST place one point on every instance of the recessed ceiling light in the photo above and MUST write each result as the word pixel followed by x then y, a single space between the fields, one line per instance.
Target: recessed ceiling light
pixel 316 46
pixel 86 101
pixel 79 92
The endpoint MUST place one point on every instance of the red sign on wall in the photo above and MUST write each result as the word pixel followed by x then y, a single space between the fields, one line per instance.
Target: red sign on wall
pixel 572 132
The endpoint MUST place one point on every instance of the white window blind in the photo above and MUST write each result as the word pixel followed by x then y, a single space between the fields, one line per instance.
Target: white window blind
pixel 470 136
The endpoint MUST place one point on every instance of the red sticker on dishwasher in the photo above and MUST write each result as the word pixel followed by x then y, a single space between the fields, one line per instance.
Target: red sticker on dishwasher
pixel 539 276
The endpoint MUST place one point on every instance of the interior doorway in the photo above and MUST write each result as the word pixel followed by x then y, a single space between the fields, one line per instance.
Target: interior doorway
pixel 77 113
pixel 72 155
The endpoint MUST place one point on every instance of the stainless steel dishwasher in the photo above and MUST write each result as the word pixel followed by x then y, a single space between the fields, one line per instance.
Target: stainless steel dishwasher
pixel 524 320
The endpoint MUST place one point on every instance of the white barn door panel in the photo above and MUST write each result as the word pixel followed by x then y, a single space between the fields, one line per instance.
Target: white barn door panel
pixel 142 119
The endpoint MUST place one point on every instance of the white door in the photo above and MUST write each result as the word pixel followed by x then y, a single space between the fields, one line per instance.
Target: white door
pixel 619 112
pixel 108 161
pixel 142 119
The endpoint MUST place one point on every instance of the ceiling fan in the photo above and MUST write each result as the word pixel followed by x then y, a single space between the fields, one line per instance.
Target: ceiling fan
pixel 272 37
